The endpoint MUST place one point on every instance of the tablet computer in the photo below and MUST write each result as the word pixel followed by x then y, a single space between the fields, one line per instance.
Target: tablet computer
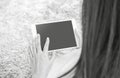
pixel 61 34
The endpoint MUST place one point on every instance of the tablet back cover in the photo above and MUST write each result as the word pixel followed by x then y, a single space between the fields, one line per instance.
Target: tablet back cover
pixel 60 33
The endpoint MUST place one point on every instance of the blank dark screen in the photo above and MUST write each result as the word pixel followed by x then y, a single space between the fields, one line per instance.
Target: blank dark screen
pixel 60 33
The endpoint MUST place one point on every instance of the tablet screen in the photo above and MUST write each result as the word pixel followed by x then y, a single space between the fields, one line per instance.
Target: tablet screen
pixel 61 34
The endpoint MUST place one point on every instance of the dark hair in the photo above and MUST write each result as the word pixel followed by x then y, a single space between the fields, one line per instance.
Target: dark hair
pixel 101 40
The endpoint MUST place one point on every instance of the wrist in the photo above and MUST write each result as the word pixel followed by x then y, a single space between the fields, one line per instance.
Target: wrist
pixel 41 75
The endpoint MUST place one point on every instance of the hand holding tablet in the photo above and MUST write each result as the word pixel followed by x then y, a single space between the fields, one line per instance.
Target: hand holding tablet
pixel 62 38
pixel 40 62
pixel 61 34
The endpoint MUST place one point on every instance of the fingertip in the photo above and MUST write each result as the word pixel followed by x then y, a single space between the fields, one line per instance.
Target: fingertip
pixel 38 34
pixel 48 38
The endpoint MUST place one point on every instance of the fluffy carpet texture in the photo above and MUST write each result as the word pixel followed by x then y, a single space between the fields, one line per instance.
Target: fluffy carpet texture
pixel 16 19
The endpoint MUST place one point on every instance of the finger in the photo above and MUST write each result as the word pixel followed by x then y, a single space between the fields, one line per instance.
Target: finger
pixel 34 54
pixel 31 59
pixel 35 45
pixel 39 49
pixel 30 55
pixel 46 46
pixel 31 49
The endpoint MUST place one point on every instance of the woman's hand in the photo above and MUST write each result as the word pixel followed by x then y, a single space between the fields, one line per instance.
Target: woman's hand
pixel 41 64
pixel 66 59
